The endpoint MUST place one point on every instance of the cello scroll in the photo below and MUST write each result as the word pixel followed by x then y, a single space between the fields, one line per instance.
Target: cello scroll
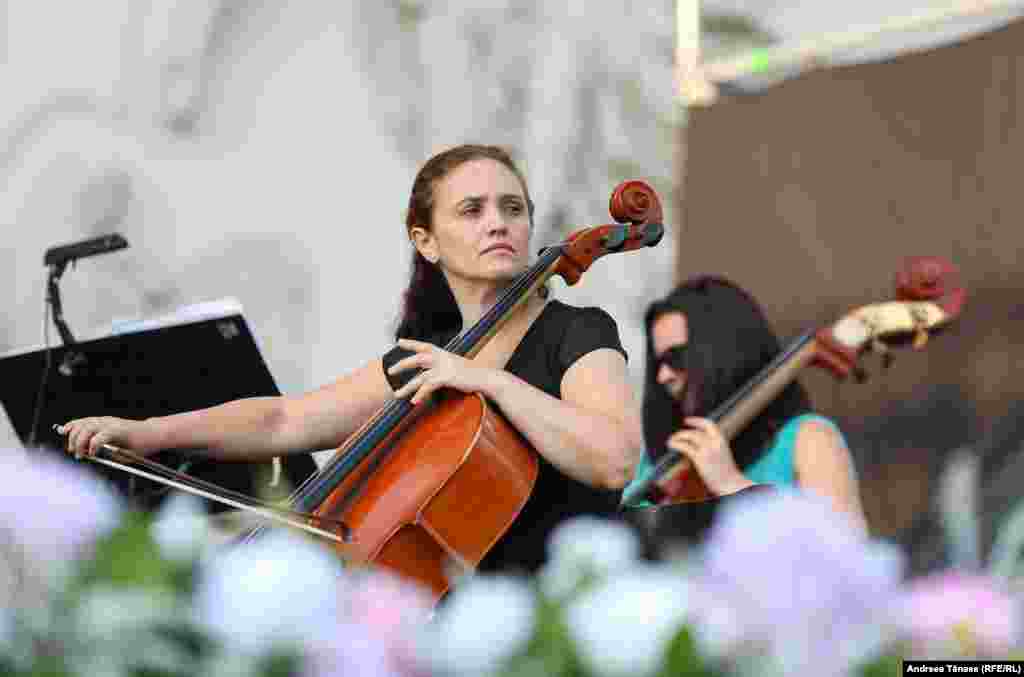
pixel 632 202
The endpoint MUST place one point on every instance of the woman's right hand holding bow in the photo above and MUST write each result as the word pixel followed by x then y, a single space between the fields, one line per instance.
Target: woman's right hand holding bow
pixel 86 435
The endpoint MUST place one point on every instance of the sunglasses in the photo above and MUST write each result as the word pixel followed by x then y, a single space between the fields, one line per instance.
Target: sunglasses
pixel 674 357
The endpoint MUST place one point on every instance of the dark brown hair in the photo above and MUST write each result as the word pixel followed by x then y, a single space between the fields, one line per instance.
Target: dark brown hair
pixel 428 305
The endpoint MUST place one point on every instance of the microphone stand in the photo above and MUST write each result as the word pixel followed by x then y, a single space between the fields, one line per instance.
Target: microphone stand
pixel 72 358
pixel 56 259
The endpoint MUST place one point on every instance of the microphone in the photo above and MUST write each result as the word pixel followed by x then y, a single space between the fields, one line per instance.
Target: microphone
pixel 60 257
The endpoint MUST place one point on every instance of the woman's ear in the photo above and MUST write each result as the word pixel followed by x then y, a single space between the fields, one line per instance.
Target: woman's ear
pixel 425 243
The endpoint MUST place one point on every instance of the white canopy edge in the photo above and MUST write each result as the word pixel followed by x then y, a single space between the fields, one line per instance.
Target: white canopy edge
pixel 698 82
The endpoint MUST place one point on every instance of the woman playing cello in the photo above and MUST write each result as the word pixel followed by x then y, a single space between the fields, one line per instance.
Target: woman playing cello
pixel 705 341
pixel 556 372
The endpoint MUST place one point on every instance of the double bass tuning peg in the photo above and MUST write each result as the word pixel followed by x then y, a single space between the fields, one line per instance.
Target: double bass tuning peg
pixel 877 346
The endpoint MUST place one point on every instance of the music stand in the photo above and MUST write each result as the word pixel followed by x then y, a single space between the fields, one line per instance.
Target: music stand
pixel 153 369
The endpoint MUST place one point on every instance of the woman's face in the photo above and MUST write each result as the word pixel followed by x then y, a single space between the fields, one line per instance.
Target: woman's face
pixel 481 227
pixel 670 333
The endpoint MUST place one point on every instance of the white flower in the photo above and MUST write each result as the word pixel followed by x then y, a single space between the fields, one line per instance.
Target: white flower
pixel 485 622
pixel 181 527
pixel 717 618
pixel 279 588
pixel 586 547
pixel 106 612
pixel 624 626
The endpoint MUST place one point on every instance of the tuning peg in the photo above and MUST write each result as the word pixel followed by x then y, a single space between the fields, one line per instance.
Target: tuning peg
pixel 879 347
pixel 920 339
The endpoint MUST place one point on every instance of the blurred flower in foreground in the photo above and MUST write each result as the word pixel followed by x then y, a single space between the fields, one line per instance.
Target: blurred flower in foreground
pixel 958 613
pixel 624 625
pixel 584 549
pixel 486 621
pixel 281 588
pixel 811 586
pixel 392 610
pixel 50 509
pixel 181 527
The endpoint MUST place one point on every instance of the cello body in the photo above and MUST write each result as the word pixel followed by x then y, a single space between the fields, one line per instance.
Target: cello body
pixel 441 495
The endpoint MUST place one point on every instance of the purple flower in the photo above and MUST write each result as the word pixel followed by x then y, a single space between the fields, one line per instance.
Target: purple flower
pixel 805 582
pixel 50 509
pixel 961 613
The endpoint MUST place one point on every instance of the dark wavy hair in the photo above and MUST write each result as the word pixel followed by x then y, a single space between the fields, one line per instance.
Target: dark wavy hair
pixel 429 309
pixel 729 342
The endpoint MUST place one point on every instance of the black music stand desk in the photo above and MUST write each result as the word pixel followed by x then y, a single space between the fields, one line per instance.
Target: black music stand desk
pixel 152 370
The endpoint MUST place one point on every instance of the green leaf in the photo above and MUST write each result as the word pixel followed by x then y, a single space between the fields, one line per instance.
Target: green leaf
pixel 128 556
pixel 1005 556
pixel 551 651
pixel 887 665
pixel 683 659
pixel 281 663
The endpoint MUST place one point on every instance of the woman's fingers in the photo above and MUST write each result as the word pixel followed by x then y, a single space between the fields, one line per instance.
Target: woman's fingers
pixel 97 440
pixel 426 391
pixel 79 433
pixel 415 345
pixel 695 437
pixel 684 445
pixel 421 360
pixel 411 386
pixel 704 425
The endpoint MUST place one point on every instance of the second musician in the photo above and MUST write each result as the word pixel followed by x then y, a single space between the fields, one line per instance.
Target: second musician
pixel 705 341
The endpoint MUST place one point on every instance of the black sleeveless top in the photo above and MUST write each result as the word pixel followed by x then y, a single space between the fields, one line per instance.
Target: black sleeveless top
pixel 559 336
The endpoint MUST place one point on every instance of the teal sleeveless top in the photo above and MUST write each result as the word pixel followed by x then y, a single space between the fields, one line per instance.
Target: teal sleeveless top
pixel 775 466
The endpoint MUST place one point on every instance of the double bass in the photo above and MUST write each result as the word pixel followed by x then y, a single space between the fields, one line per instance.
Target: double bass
pixel 929 297
pixel 427 490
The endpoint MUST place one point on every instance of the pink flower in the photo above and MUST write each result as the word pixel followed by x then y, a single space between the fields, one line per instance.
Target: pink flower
pixel 392 610
pixel 351 650
pixel 969 613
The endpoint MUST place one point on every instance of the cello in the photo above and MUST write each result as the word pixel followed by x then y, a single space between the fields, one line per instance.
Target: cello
pixel 427 490
pixel 928 297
